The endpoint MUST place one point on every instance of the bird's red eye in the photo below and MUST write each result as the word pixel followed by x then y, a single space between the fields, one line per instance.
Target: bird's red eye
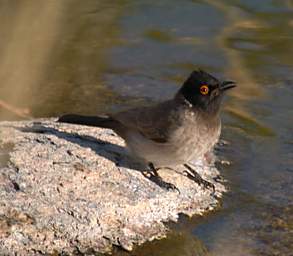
pixel 204 89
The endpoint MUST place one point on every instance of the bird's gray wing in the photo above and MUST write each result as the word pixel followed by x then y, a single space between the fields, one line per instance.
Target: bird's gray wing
pixel 154 122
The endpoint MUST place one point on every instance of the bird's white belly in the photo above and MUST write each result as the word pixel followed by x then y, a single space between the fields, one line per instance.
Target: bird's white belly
pixel 160 154
pixel 184 146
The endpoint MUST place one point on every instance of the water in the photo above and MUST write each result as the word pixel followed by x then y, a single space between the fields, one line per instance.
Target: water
pixel 101 56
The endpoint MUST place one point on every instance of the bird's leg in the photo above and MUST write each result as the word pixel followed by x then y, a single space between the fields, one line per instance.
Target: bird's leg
pixel 193 175
pixel 155 177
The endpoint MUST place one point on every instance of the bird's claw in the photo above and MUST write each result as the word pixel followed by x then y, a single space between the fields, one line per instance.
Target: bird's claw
pixel 163 184
pixel 200 181
pixel 208 185
pixel 156 178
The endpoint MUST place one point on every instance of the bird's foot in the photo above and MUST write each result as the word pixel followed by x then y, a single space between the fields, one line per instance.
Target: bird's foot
pixel 163 184
pixel 193 175
pixel 156 178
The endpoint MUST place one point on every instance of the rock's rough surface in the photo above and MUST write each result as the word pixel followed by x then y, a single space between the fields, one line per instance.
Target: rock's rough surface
pixel 71 189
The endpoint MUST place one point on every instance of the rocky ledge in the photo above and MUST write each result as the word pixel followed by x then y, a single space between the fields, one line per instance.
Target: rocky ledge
pixel 71 189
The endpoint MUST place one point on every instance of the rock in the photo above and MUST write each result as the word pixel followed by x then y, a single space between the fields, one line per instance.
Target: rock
pixel 73 189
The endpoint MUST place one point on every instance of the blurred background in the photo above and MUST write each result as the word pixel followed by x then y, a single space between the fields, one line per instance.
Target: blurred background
pixel 97 56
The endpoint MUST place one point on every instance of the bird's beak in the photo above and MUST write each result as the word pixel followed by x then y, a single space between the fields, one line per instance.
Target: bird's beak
pixel 226 85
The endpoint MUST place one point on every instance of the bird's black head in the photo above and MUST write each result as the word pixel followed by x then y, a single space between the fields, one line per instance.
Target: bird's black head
pixel 204 91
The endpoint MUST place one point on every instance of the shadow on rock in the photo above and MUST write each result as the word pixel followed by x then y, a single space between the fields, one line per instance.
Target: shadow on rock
pixel 113 152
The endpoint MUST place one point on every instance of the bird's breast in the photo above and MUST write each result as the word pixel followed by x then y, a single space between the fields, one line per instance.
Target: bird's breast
pixel 195 135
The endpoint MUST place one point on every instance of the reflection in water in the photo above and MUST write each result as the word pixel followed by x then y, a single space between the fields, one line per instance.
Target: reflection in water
pixel 159 36
pixel 175 244
pixel 53 54
pixel 96 56
pixel 25 46
pixel 237 21
pixel 246 122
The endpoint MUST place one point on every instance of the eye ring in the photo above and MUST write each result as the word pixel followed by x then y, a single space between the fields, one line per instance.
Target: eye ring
pixel 204 89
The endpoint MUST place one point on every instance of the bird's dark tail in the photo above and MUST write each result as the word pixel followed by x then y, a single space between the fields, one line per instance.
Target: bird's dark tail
pixel 98 121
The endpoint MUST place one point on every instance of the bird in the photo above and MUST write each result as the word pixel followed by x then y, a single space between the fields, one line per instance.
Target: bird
pixel 173 132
